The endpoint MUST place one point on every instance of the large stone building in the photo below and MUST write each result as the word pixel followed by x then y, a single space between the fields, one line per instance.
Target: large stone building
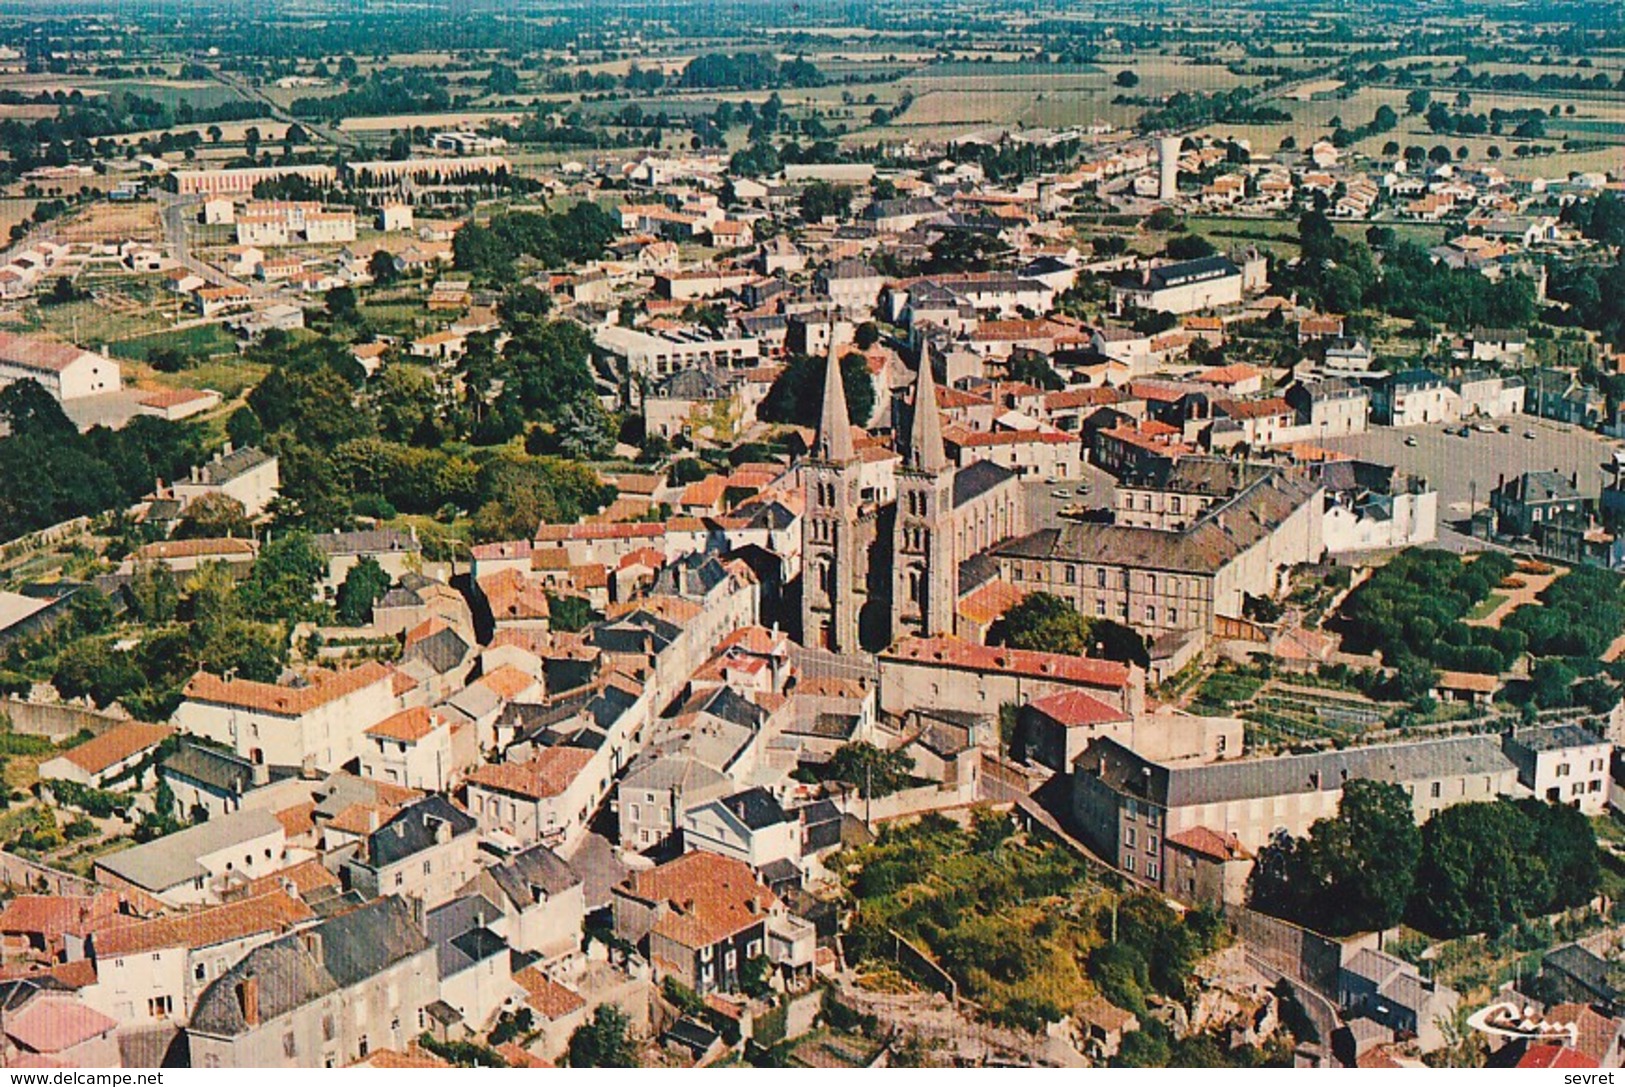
pixel 882 568
pixel 1163 581
pixel 1127 806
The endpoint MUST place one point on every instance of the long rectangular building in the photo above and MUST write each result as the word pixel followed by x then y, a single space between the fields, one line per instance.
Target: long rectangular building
pixel 1158 581
pixel 1130 809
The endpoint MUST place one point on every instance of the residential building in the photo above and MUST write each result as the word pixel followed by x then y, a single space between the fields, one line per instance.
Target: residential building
pixel 547 800
pixel 750 826
pixel 425 851
pixel 248 475
pixel 1180 287
pixel 1525 501
pixel 1414 398
pixel 322 997
pixel 202 864
pixel 542 901
pixel 1378 986
pixel 1159 581
pixel 318 724
pixel 701 917
pixel 1562 764
pixel 110 759
pixel 1126 805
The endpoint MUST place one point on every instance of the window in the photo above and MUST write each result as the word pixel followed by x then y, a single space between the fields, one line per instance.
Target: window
pixel 426 867
pixel 1128 863
pixel 1150 614
pixel 1173 504
pixel 400 878
pixel 361 1046
pixel 1562 769
pixel 1100 577
pixel 1151 843
pixel 1173 616
pixel 1434 790
pixel 160 1006
pixel 1100 607
pixel 288 1047
pixel 1128 837
pixel 1071 575
pixel 1150 869
pixel 200 971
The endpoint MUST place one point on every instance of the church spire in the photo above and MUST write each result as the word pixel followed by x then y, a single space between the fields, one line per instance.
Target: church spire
pixel 925 453
pixel 834 442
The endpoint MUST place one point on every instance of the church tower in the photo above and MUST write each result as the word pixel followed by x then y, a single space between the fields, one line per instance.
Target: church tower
pixel 830 562
pixel 924 580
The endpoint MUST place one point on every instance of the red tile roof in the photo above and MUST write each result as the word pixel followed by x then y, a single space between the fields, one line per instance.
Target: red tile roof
pixel 954 653
pixel 1554 1056
pixel 325 687
pixel 545 776
pixel 1209 843
pixel 1077 709
pixel 275 912
pixel 115 745
pixel 706 898
pixel 51 1024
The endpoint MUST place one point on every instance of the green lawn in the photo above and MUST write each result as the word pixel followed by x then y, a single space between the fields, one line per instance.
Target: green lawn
pixel 1484 608
pixel 199 340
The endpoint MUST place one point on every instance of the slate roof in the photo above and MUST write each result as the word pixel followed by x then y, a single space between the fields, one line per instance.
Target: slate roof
pixel 218 770
pixel 756 808
pixel 412 830
pixel 1221 534
pixel 977 479
pixel 537 868
pixel 1256 779
pixel 296 970
pixel 159 865
pixel 229 466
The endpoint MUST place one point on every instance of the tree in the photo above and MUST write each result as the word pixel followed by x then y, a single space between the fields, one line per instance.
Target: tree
pixel 281 585
pixel 822 200
pixel 27 410
pixel 363 585
pixel 604 1041
pixel 1046 622
pixel 211 516
pixel 569 614
pixel 1354 872
pixel 154 594
pixel 381 266
pixel 1126 78
pixel 341 304
pixel 1479 871
pixel 873 771
pixel 797 394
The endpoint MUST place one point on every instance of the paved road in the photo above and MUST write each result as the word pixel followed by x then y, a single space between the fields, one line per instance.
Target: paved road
pixel 321 132
pixel 1316 1006
pixel 1467 469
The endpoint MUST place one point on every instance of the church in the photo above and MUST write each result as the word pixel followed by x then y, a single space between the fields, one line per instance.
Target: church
pixel 884 563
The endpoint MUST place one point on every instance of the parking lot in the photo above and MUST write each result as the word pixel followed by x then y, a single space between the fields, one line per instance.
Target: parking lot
pixel 1045 502
pixel 1455 465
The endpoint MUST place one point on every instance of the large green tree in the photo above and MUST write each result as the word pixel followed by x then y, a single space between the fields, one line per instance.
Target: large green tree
pixel 1354 872
pixel 604 1041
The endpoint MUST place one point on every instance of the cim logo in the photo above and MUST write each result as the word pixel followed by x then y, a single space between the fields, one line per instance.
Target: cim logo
pixel 1506 1019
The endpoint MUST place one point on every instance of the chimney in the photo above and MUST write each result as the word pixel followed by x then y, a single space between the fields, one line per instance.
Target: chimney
pixel 225 450
pixel 248 999
pixel 372 819
pixel 313 944
pixel 442 831
pixel 259 774
pixel 290 888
